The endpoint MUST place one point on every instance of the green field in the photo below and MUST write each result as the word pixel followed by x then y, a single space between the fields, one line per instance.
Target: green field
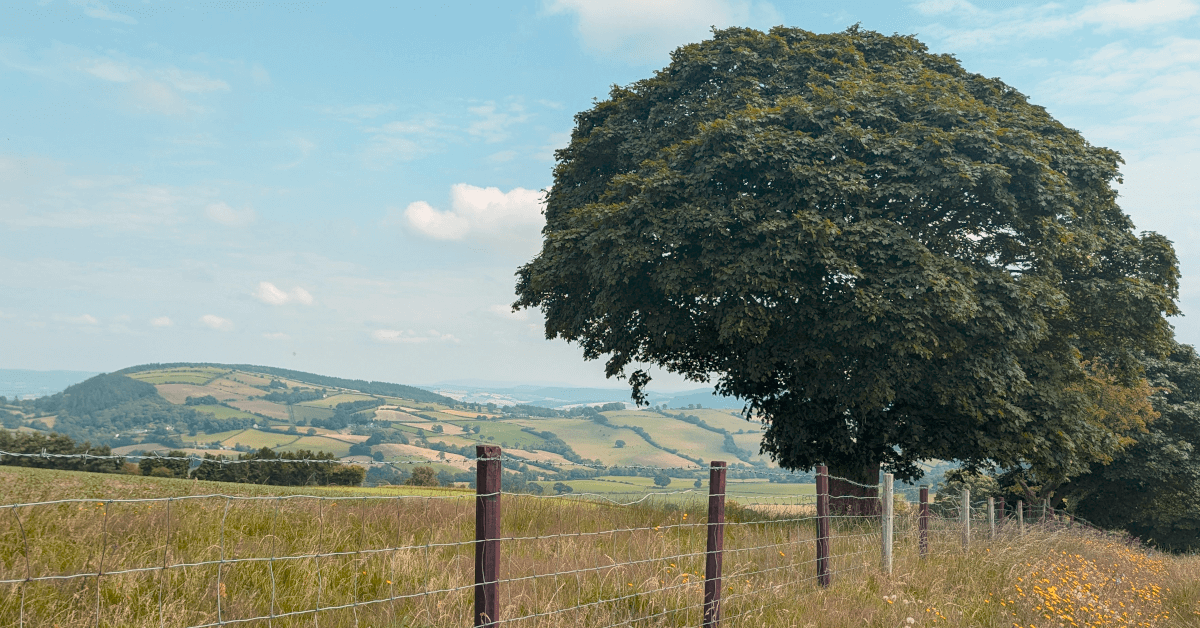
pixel 318 443
pixel 675 434
pixel 259 439
pixel 597 442
pixel 222 412
pixel 305 414
pixel 333 400
pixel 198 376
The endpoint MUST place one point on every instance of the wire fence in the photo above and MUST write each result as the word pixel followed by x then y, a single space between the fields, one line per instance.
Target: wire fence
pixel 488 557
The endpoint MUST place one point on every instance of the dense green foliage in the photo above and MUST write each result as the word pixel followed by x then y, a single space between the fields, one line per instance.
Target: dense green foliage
pixel 1152 488
pixel 34 443
pixel 281 473
pixel 889 258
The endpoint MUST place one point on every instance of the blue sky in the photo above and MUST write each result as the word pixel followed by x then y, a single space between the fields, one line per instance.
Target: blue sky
pixel 350 190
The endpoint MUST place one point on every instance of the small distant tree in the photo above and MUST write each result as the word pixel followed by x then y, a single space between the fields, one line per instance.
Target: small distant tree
pixel 620 444
pixel 699 483
pixel 422 476
pixel 439 429
pixel 312 431
pixel 535 489
pixel 377 456
pixel 561 488
pixel 662 479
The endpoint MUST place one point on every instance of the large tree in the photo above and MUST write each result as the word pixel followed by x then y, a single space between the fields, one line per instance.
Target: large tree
pixel 887 257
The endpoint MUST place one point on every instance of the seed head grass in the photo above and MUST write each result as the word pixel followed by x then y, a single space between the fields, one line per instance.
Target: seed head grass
pixel 637 565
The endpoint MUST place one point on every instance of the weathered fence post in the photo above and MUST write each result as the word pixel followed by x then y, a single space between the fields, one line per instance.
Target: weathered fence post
pixel 991 512
pixel 487 533
pixel 923 522
pixel 1021 516
pixel 888 507
pixel 824 575
pixel 964 514
pixel 716 544
pixel 1003 513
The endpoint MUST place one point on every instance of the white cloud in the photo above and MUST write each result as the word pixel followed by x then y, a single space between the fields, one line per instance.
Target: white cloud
pixel 401 141
pixel 228 216
pixel 277 336
pixel 100 11
pixel 484 213
pixel 493 125
pixel 969 26
pixel 640 31
pixel 162 321
pixel 506 312
pixel 216 322
pixel 82 319
pixel 410 337
pixel 1138 14
pixel 271 295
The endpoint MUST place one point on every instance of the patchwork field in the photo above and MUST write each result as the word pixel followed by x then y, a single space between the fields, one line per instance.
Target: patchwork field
pixel 221 412
pixel 674 434
pixel 178 393
pixel 268 408
pixel 597 442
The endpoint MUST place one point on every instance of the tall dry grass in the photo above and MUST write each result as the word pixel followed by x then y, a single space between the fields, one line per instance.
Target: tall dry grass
pixel 639 565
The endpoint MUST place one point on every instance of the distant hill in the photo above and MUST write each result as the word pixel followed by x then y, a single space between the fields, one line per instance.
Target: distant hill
pixel 565 396
pixel 225 409
pixel 23 383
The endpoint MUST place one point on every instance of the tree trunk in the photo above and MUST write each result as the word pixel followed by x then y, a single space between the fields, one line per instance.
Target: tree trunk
pixel 847 494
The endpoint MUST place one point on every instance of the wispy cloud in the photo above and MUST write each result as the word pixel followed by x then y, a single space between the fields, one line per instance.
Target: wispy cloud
pixel 139 85
pixel 965 26
pixel 216 322
pixel 640 32
pixel 100 11
pixel 161 321
pixel 82 319
pixel 402 141
pixel 270 294
pixel 224 214
pixel 397 336
pixel 494 124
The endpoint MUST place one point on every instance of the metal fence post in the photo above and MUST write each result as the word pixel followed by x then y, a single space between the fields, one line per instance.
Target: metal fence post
pixel 487 533
pixel 824 575
pixel 888 508
pixel 991 512
pixel 964 513
pixel 715 545
pixel 1021 516
pixel 923 522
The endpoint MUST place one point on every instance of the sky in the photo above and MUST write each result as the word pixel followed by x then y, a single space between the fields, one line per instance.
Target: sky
pixel 349 189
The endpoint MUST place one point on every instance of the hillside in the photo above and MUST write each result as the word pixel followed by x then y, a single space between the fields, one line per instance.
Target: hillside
pixel 228 408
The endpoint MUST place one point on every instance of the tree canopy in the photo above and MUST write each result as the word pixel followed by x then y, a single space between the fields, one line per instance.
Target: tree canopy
pixel 887 257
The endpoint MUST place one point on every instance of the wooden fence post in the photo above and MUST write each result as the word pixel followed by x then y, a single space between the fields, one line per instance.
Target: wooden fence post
pixel 991 512
pixel 715 545
pixel 487 533
pixel 888 507
pixel 923 522
pixel 1021 516
pixel 824 575
pixel 1003 513
pixel 964 514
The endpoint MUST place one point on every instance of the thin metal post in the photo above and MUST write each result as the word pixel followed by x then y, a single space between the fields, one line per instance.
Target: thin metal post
pixel 1021 516
pixel 923 522
pixel 888 518
pixel 715 545
pixel 824 572
pixel 991 517
pixel 964 513
pixel 487 533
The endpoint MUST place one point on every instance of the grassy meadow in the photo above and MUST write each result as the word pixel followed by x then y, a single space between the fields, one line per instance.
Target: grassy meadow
pixel 562 564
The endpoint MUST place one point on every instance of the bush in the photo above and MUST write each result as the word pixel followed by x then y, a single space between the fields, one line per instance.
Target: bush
pixel 561 488
pixel 422 476
pixel 619 444
pixel 662 480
